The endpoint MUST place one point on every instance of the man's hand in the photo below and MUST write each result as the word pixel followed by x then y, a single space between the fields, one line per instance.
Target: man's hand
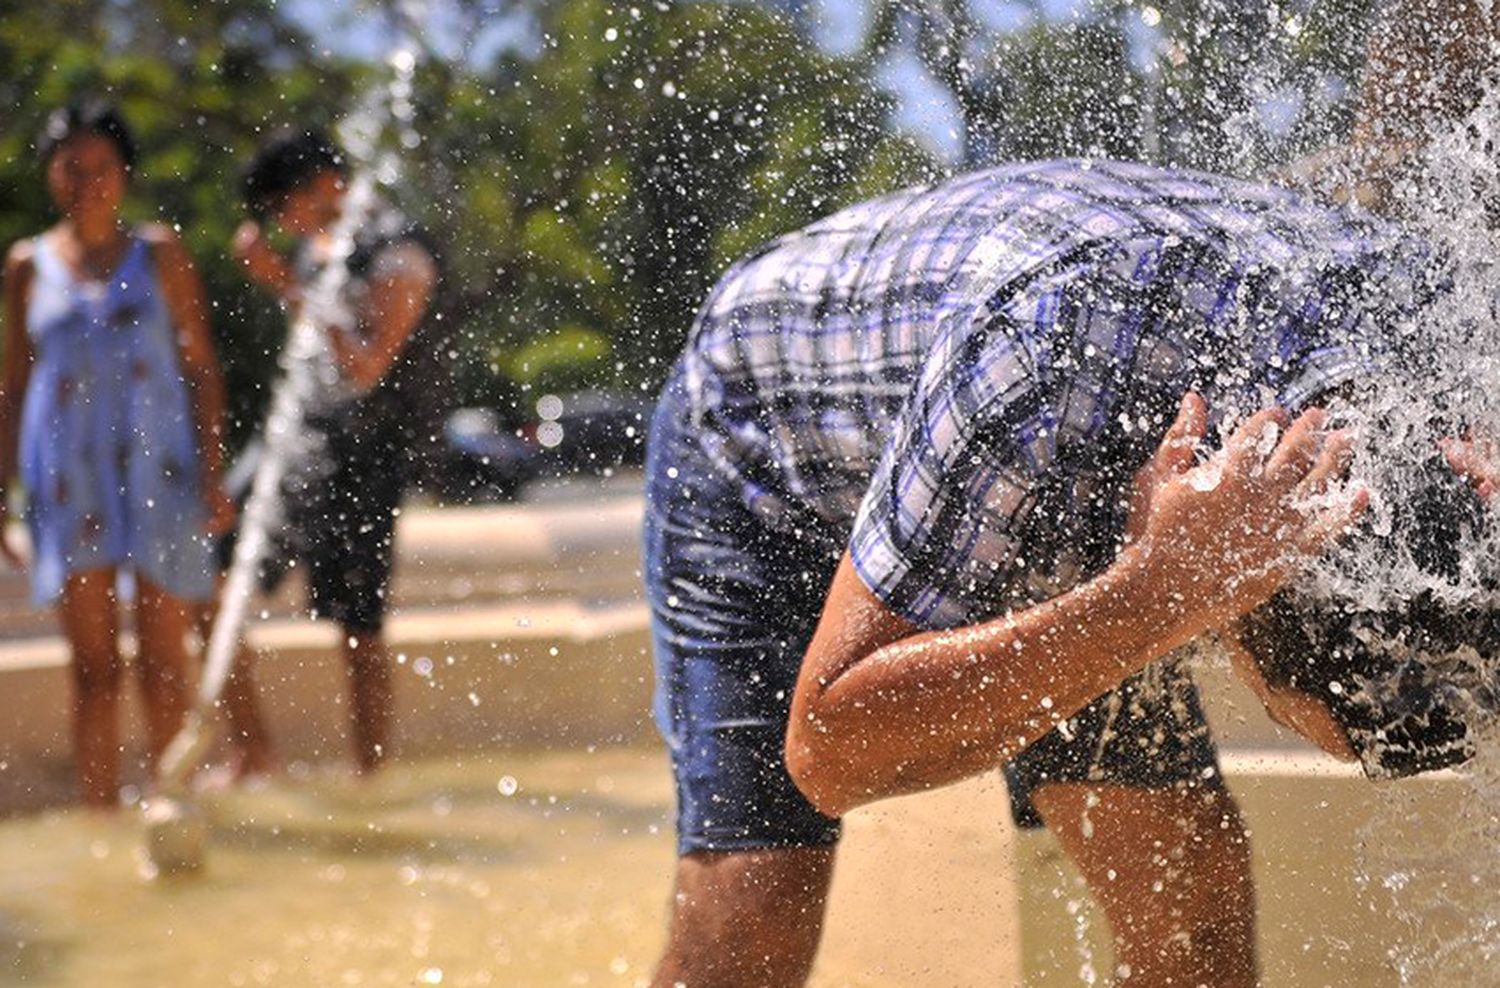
pixel 1475 459
pixel 1224 535
pixel 262 264
pixel 1176 454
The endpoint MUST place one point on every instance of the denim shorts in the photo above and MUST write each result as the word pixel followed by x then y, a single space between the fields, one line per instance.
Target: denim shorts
pixel 734 603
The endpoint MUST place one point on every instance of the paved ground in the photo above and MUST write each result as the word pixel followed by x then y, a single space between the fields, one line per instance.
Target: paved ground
pixel 520 628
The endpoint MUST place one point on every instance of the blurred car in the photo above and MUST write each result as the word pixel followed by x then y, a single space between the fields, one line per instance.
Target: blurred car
pixel 487 457
pixel 482 459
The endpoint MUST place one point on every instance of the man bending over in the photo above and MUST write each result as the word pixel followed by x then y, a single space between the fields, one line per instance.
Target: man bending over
pixel 973 458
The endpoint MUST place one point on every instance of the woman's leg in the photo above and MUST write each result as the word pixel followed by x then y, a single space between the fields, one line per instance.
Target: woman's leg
pixel 90 620
pixel 162 623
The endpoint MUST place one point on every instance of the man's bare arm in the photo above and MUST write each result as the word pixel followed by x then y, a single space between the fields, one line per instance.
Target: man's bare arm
pixel 1425 66
pixel 400 292
pixel 882 708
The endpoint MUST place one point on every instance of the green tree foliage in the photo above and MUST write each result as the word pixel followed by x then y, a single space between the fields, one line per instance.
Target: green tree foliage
pixel 1246 86
pixel 1217 84
pixel 586 193
pixel 589 188
pixel 593 192
pixel 200 83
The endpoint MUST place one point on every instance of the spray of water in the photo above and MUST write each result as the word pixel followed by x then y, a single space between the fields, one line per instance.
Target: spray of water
pixel 175 829
pixel 1442 883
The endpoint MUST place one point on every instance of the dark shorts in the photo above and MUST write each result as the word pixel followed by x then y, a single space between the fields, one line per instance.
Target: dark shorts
pixel 734 604
pixel 340 523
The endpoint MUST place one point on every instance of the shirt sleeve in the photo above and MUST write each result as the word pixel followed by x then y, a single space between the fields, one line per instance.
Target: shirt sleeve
pixel 942 516
pixel 404 259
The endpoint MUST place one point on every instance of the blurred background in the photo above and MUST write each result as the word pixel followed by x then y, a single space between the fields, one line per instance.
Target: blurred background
pixel 591 167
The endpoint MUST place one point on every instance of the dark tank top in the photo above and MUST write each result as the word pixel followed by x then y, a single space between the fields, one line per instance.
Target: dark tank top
pixel 400 419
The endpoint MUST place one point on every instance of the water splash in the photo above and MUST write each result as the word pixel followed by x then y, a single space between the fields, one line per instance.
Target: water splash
pixel 309 374
pixel 1442 883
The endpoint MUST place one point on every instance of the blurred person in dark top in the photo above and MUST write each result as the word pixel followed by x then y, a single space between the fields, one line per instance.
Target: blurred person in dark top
pixel 364 443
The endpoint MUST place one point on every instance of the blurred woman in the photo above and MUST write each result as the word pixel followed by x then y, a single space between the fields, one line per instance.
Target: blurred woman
pixel 110 417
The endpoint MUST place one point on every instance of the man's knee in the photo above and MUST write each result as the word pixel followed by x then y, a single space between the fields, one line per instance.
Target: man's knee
pixel 746 919
pixel 1213 894
pixel 1215 835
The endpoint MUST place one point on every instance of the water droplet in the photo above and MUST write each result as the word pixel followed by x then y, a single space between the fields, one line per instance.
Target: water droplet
pixel 1206 477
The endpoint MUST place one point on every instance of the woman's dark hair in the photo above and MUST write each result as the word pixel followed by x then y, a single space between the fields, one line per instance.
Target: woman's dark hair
pixel 288 159
pixel 86 117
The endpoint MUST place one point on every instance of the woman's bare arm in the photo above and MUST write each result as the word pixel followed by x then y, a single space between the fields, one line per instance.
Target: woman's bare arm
pixel 14 377
pixel 183 293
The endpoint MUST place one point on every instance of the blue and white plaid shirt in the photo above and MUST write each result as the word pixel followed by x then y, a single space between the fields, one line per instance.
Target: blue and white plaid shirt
pixel 970 374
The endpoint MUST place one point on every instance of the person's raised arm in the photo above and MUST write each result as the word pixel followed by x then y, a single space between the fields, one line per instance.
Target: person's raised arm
pixel 182 290
pixel 262 264
pixel 401 283
pixel 14 377
pixel 883 708
pixel 1425 66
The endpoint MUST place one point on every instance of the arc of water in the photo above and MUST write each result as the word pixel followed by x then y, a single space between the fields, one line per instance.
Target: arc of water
pixel 263 510
pixel 319 313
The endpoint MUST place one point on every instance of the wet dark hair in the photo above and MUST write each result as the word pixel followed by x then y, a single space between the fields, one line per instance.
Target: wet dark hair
pixel 287 160
pixel 1404 684
pixel 86 117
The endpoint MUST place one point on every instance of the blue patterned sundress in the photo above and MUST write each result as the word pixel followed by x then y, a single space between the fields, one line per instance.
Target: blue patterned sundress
pixel 109 455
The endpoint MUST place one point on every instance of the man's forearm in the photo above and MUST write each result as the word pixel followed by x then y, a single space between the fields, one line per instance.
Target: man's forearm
pixel 937 707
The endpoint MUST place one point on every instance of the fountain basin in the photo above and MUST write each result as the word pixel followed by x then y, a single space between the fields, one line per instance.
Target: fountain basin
pixel 524 834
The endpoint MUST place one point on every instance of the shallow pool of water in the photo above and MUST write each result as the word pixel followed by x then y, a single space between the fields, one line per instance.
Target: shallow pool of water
pixel 547 869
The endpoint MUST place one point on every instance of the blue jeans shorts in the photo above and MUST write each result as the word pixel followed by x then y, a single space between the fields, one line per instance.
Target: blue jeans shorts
pixel 734 603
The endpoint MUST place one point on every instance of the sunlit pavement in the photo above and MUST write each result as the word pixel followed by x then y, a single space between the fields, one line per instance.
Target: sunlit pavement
pixel 524 835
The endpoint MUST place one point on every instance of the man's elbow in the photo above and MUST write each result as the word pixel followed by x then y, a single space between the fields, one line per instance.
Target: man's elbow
pixel 816 770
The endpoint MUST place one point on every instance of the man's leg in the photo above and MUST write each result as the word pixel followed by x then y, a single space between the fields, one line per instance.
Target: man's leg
pixel 1132 789
pixel 734 604
pixel 746 919
pixel 249 734
pixel 1171 870
pixel 369 696
pixel 350 555
pixel 248 730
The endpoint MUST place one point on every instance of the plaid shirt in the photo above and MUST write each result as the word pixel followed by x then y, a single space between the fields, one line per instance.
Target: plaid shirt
pixel 970 374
